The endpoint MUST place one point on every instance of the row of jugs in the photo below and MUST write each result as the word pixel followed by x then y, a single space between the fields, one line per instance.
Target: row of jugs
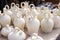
pixel 30 16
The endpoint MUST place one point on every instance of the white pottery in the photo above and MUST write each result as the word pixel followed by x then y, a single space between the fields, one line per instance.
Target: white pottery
pixel 47 24
pixel 19 22
pixel 5 19
pixel 7 11
pixel 17 35
pixel 35 36
pixel 6 30
pixel 56 21
pixel 32 24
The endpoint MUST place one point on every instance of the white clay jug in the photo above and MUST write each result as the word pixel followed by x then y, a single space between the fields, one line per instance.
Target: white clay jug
pixel 5 19
pixel 47 24
pixel 6 30
pixel 56 21
pixel 33 11
pixel 17 34
pixel 19 22
pixel 7 10
pixel 32 24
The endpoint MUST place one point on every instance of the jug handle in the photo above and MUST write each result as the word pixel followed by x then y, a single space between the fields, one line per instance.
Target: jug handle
pixel 12 5
pixel 16 29
pixel 6 6
pixel 22 4
pixel 31 6
pixel 17 5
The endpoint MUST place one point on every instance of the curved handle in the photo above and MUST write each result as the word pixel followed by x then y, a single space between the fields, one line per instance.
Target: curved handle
pixel 6 6
pixel 22 4
pixel 20 33
pixel 17 5
pixel 17 29
pixel 12 4
pixel 34 34
pixel 32 6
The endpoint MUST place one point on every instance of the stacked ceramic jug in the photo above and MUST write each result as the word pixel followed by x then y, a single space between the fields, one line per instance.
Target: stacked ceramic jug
pixel 14 20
